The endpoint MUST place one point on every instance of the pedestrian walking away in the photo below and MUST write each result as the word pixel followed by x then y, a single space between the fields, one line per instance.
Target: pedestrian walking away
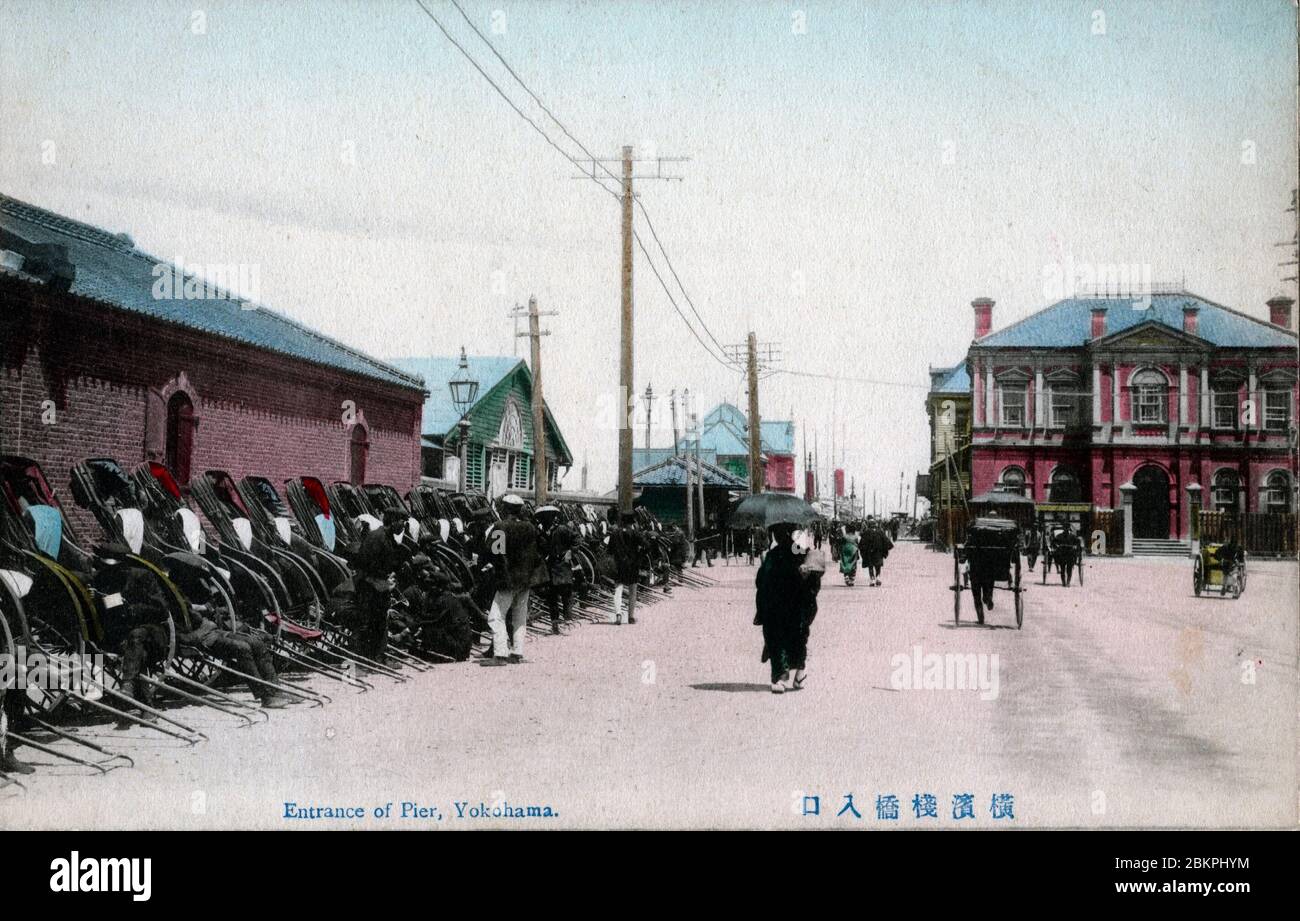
pixel 513 544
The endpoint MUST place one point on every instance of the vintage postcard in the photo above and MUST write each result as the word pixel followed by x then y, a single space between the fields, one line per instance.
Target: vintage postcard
pixel 613 414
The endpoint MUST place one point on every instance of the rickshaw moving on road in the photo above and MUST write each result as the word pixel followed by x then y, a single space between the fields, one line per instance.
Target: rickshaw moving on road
pixel 1062 550
pixel 1221 565
pixel 992 555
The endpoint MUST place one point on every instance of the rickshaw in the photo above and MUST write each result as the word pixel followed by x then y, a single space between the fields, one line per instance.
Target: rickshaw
pixel 1058 551
pixel 1208 569
pixel 992 555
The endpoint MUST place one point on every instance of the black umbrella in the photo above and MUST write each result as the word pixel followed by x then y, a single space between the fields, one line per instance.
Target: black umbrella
pixel 772 508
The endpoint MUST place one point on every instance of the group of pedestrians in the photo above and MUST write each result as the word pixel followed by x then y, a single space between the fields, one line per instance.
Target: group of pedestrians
pixel 528 556
pixel 867 542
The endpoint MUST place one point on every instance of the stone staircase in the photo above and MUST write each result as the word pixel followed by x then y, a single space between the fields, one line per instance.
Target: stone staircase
pixel 1149 546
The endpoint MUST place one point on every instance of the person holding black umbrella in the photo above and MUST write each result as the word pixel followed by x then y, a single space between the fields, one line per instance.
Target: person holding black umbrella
pixel 781 604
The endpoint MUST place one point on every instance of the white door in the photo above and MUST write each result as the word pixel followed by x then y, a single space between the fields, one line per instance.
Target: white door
pixel 497 475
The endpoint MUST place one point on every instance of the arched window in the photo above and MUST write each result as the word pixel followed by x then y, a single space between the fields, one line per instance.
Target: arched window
pixel 1277 492
pixel 1227 491
pixel 180 435
pixel 1150 401
pixel 360 450
pixel 1065 486
pixel 1013 480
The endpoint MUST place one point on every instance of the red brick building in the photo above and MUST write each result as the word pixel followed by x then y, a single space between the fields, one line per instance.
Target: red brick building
pixel 92 363
pixel 1156 405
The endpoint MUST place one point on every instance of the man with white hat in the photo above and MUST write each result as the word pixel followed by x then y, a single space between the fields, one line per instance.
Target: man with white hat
pixel 513 544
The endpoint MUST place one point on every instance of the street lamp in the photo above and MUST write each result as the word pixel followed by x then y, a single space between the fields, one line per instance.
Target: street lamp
pixel 464 391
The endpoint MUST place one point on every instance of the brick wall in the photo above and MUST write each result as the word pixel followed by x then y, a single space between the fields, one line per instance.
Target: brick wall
pixel 81 380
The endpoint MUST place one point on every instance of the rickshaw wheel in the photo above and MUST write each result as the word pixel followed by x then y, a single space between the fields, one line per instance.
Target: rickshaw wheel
pixel 1198 577
pixel 956 587
pixel 1019 596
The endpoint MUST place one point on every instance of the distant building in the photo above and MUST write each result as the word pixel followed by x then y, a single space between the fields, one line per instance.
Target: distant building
pixel 724 433
pixel 1157 405
pixel 501 439
pixel 948 406
pixel 106 351
pixel 662 490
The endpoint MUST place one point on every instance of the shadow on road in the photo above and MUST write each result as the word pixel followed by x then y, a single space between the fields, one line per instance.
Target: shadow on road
pixel 732 687
pixel 973 625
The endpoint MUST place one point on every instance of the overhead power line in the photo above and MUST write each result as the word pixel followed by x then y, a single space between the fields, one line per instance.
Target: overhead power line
pixel 645 214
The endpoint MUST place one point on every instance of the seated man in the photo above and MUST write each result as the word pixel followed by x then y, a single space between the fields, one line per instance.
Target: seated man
pixel 1229 557
pixel 246 652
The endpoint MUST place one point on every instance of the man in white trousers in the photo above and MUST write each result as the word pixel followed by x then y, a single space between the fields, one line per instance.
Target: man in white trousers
pixel 513 544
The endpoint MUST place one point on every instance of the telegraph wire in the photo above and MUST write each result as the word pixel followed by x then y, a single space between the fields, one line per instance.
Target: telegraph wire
pixel 596 160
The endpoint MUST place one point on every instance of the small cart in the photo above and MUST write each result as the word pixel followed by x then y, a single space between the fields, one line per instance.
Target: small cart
pixel 1221 566
pixel 992 556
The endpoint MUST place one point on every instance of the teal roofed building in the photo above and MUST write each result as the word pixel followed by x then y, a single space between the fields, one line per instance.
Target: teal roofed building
pixel 502 444
pixel 724 433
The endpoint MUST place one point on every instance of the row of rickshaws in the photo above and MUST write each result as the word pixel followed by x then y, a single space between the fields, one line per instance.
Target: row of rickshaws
pixel 989 561
pixel 255 559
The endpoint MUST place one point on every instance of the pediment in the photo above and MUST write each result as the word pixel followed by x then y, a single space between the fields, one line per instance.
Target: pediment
pixel 1152 336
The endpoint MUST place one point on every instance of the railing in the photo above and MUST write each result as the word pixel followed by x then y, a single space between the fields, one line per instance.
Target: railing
pixel 1261 533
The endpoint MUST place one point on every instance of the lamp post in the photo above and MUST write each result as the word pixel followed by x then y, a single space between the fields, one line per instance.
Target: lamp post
pixel 464 391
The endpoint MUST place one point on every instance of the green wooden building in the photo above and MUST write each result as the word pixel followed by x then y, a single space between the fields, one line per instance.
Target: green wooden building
pixel 501 438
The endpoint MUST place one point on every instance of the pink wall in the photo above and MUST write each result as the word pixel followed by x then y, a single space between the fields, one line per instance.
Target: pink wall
pixel 258 412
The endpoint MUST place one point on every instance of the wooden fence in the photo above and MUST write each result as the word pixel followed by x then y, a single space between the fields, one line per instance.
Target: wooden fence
pixel 1261 533
pixel 1111 523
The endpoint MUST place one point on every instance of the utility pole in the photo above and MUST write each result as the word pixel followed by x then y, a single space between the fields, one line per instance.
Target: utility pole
pixel 649 409
pixel 699 480
pixel 690 502
pixel 755 422
pixel 672 399
pixel 755 362
pixel 541 480
pixel 625 324
pixel 625 352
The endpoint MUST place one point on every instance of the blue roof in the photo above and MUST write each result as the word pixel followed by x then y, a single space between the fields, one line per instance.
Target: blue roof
pixel 777 437
pixel 440 414
pixel 110 270
pixel 952 380
pixel 1068 323
pixel 726 433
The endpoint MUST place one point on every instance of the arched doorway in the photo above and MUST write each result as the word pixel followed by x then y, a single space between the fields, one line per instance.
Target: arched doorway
pixel 180 436
pixel 1151 503
pixel 360 449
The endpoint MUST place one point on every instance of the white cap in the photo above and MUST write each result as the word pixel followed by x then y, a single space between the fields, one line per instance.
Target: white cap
pixel 512 499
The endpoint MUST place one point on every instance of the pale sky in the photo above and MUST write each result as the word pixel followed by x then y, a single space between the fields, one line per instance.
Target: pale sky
pixel 859 172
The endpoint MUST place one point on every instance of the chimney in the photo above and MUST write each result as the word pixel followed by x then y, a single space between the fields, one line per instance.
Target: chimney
pixel 983 316
pixel 1190 314
pixel 1279 311
pixel 1099 321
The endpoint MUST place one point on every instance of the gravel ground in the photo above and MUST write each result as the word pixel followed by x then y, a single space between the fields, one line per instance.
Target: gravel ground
pixel 1125 702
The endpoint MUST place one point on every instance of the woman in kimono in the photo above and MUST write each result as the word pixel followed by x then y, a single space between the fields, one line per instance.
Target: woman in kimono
pixel 849 556
pixel 781 600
